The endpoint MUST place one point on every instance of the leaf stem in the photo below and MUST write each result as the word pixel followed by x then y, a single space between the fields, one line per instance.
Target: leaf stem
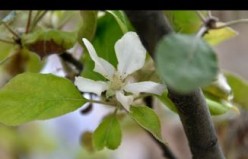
pixel 203 30
pixel 100 102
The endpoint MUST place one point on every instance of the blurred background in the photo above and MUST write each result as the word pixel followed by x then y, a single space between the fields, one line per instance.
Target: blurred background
pixel 61 138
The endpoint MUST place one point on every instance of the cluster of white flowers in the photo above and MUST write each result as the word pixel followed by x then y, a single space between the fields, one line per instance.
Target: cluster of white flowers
pixel 131 57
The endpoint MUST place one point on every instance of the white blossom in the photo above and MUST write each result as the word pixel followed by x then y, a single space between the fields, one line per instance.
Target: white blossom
pixel 131 57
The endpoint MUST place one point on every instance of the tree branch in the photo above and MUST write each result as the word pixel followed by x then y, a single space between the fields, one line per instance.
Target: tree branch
pixel 69 58
pixel 167 153
pixel 151 26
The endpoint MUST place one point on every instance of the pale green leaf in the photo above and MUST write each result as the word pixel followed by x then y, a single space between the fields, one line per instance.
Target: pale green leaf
pixel 187 22
pixel 108 133
pixel 120 19
pixel 5 51
pixel 185 62
pixel 88 27
pixel 240 89
pixel 147 119
pixel 217 106
pixel 167 102
pixel 33 62
pixel 219 88
pixel 216 36
pixel 34 96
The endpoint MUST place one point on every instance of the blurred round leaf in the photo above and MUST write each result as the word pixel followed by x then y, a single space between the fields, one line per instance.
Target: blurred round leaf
pixel 185 62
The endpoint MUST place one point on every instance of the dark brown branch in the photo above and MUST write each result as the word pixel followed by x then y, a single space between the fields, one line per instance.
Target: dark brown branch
pixel 151 26
pixel 166 151
pixel 69 58
pixel 146 24
pixel 29 21
pixel 195 117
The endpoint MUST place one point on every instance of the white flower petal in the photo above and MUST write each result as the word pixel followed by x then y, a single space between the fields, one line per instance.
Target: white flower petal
pixel 130 54
pixel 88 85
pixel 101 66
pixel 147 86
pixel 125 101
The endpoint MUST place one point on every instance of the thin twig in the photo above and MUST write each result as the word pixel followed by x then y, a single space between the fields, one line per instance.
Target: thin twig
pixel 203 30
pixel 166 151
pixel 209 14
pixel 37 15
pixel 6 41
pixel 203 19
pixel 29 21
pixel 231 23
pixel 11 31
pixel 37 19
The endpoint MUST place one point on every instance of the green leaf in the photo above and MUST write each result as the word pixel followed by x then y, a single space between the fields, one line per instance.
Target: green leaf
pixel 107 33
pixel 216 36
pixel 147 119
pixel 34 96
pixel 185 62
pixel 216 106
pixel 120 19
pixel 167 102
pixel 219 88
pixel 33 62
pixel 45 42
pixel 88 26
pixel 5 51
pixel 108 133
pixel 240 89
pixel 187 22
pixel 88 69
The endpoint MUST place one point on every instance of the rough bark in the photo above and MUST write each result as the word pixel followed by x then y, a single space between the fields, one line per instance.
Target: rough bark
pixel 151 26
